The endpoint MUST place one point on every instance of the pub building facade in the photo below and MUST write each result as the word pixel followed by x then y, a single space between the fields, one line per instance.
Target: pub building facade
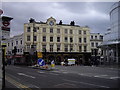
pixel 57 41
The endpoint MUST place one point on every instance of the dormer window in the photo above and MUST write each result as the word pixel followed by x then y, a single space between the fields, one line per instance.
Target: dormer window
pixel 51 23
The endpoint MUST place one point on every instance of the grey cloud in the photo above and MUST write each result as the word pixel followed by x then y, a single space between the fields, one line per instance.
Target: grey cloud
pixel 80 12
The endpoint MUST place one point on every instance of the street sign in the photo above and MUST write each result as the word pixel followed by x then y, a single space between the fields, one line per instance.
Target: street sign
pixel 39 54
pixel 41 62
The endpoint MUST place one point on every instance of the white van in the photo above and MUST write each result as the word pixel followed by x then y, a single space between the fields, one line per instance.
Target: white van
pixel 71 61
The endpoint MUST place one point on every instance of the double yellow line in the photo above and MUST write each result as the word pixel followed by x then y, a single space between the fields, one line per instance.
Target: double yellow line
pixel 17 84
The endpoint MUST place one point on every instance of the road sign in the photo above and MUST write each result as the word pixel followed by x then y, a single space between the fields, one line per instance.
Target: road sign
pixel 39 54
pixel 41 62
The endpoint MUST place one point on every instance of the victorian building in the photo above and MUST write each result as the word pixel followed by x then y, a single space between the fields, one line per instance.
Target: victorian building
pixel 96 39
pixel 58 41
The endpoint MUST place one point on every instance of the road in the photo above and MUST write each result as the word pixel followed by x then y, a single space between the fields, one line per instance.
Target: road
pixel 62 77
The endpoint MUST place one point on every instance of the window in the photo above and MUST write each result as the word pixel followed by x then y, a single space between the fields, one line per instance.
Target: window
pixel 80 40
pixel 66 39
pixel 51 39
pixel 21 41
pixel 66 31
pixel 35 38
pixel 101 37
pixel 28 47
pixel 85 48
pixel 44 38
pixel 35 29
pixel 17 50
pixel 58 30
pixel 12 43
pixel 58 39
pixel 8 44
pixel 71 48
pixel 28 29
pixel 84 40
pixel 44 29
pixel 58 47
pixel 91 37
pixel 51 48
pixel 28 38
pixel 66 48
pixel 35 46
pixel 92 44
pixel 20 50
pixel 51 30
pixel 16 42
pixel 92 51
pixel 80 31
pixel 96 44
pixel 84 32
pixel 44 48
pixel 71 31
pixel 80 48
pixel 95 37
pixel 71 39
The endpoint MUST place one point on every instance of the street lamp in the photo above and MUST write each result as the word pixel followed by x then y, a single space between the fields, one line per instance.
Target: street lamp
pixel 3 67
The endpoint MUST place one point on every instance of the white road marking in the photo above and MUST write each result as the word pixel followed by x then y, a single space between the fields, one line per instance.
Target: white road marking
pixel 86 83
pixel 32 86
pixel 65 72
pixel 100 75
pixel 114 77
pixel 65 85
pixel 40 72
pixel 25 75
pixel 53 73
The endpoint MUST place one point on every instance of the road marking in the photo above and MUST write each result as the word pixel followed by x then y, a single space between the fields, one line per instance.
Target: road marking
pixel 25 75
pixel 56 71
pixel 16 84
pixel 53 73
pixel 86 74
pixel 114 77
pixel 65 72
pixel 65 85
pixel 86 83
pixel 100 75
pixel 40 72
pixel 32 86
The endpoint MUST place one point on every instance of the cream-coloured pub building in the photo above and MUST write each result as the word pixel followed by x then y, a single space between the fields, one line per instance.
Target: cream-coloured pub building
pixel 57 41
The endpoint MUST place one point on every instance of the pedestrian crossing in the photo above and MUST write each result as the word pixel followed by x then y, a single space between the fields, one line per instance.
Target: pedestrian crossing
pixel 95 75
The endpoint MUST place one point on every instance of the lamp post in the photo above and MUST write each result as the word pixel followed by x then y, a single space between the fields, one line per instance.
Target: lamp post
pixel 33 45
pixel 3 66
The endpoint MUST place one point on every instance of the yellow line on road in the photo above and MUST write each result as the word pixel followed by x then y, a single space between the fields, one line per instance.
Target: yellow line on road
pixel 17 84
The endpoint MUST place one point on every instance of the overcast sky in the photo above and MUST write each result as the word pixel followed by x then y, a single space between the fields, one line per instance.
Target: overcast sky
pixel 93 14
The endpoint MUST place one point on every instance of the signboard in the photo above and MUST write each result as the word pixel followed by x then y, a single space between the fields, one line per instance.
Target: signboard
pixel 71 61
pixel 39 54
pixel 41 62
